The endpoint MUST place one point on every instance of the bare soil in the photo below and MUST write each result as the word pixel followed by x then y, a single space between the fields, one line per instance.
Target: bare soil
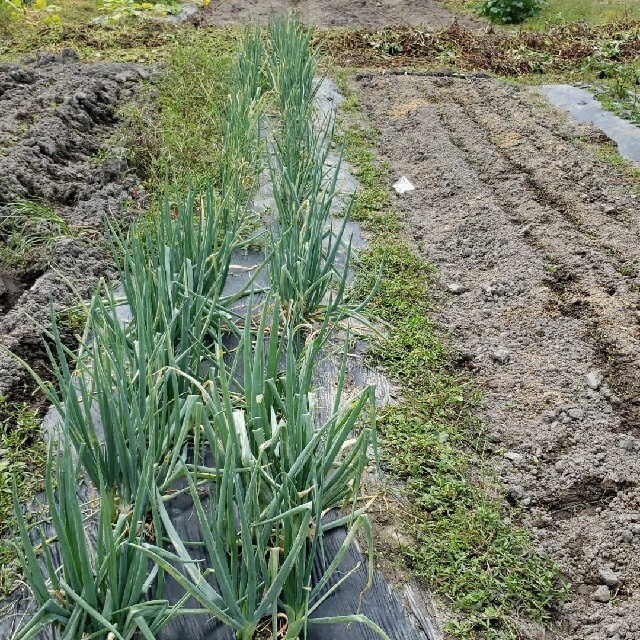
pixel 537 244
pixel 335 13
pixel 56 117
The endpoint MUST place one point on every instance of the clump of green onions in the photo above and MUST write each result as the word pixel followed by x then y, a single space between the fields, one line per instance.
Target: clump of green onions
pixel 102 589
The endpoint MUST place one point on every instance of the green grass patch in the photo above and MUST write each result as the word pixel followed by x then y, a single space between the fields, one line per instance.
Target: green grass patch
pixel 469 547
pixel 27 230
pixel 591 11
pixel 177 134
pixel 22 456
pixel 133 40
pixel 371 203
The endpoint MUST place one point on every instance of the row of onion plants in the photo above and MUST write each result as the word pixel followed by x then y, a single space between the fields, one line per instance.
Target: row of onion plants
pixel 209 395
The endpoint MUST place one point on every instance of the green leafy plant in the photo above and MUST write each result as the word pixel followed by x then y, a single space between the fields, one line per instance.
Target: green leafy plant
pixel 181 260
pixel 305 246
pixel 510 11
pixel 117 10
pixel 9 11
pixel 310 256
pixel 121 398
pixel 190 390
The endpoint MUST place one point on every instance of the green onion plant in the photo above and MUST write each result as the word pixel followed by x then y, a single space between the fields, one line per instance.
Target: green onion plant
pixel 310 254
pixel 101 589
pixel 122 399
pixel 263 424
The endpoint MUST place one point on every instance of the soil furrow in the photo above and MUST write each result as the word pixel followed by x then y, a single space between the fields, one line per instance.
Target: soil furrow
pixel 505 206
pixel 588 283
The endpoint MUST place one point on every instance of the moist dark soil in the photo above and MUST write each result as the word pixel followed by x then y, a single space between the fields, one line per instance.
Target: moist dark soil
pixel 334 13
pixel 57 117
pixel 536 241
pixel 13 283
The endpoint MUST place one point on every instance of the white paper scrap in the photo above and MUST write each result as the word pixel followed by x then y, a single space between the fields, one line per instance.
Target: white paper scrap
pixel 403 185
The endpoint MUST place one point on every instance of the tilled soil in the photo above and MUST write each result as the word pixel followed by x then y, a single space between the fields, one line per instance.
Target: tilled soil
pixel 538 246
pixel 56 116
pixel 335 13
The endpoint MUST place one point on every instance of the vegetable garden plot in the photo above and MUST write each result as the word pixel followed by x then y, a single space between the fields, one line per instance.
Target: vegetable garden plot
pixel 196 420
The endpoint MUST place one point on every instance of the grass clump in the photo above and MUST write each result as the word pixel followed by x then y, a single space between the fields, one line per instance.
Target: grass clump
pixel 29 228
pixel 205 105
pixel 23 456
pixel 371 203
pixel 590 11
pixel 178 134
pixel 469 547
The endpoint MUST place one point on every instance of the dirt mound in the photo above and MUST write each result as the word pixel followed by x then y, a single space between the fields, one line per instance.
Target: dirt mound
pixel 335 13
pixel 56 115
pixel 537 243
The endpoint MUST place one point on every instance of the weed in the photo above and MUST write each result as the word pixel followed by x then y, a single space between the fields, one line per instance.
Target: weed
pixel 510 11
pixel 589 11
pixel 26 227
pixel 554 12
pixel 23 457
pixel 75 318
pixel 561 48
pixel 608 152
pixel 371 203
pixel 350 103
pixel 177 136
pixel 116 10
pixel 627 271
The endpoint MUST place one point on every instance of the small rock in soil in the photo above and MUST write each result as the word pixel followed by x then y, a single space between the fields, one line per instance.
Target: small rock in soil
pixel 602 594
pixel 531 631
pixel 576 414
pixel 628 443
pixel 456 288
pixel 516 458
pixel 516 493
pixel 609 578
pixel 594 380
pixel 501 356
